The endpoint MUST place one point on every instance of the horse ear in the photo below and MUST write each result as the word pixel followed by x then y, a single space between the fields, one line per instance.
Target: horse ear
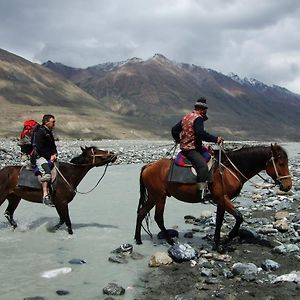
pixel 82 149
pixel 273 147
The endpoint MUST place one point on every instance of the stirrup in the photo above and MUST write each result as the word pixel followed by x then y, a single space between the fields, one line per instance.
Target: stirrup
pixel 203 192
pixel 47 201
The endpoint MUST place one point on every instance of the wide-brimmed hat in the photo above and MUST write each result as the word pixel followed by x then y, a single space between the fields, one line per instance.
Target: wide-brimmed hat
pixel 201 102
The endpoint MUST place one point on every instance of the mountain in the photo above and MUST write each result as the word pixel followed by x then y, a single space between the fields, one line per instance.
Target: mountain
pixel 29 90
pixel 153 94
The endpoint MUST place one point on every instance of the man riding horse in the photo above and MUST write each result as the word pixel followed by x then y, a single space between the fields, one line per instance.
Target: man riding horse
pixel 44 151
pixel 190 133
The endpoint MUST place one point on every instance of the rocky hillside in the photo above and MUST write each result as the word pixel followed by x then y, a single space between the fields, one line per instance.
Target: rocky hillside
pixel 142 99
pixel 30 90
pixel 160 91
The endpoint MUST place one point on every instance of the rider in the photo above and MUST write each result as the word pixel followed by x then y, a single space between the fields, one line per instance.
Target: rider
pixel 190 133
pixel 45 153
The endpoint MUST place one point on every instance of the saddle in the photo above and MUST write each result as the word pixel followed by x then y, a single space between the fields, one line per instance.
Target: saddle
pixel 30 178
pixel 182 171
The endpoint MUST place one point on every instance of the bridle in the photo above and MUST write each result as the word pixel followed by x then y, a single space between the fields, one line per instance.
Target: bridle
pixel 278 178
pixel 99 155
pixel 89 164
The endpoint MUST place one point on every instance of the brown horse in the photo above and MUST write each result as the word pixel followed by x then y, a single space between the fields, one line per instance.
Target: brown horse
pixel 235 169
pixel 68 178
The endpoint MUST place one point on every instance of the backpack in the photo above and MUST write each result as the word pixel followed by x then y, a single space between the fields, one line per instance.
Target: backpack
pixel 25 138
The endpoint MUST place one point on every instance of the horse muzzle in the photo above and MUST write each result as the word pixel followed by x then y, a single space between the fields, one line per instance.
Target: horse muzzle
pixel 113 157
pixel 284 184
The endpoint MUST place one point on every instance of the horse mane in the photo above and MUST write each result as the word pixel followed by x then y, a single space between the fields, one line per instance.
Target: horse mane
pixel 246 156
pixel 81 158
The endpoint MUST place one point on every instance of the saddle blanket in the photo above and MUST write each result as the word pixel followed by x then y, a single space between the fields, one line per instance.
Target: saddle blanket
pixel 181 174
pixel 28 178
pixel 187 174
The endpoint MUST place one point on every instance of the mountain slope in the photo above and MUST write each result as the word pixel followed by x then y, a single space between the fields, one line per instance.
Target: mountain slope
pixel 159 91
pixel 29 90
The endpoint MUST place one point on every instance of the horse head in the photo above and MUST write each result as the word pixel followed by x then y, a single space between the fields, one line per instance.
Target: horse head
pixel 94 157
pixel 277 167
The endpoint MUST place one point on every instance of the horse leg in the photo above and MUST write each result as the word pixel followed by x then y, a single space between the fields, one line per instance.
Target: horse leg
pixel 58 225
pixel 143 211
pixel 63 212
pixel 159 219
pixel 238 221
pixel 13 202
pixel 219 222
pixel 228 207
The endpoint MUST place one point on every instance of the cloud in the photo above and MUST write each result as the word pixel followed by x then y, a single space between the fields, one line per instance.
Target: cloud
pixel 255 38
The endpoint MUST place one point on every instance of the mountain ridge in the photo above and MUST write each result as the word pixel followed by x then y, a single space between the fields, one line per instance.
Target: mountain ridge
pixel 138 98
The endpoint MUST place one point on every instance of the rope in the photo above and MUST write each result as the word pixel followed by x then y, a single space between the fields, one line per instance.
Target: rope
pixel 75 190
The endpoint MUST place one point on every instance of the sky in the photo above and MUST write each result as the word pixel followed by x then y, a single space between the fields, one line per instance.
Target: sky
pixel 252 38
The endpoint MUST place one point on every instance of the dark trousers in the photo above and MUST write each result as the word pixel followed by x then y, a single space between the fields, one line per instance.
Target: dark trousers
pixel 198 163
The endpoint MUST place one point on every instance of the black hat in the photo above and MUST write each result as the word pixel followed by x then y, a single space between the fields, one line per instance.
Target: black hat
pixel 201 102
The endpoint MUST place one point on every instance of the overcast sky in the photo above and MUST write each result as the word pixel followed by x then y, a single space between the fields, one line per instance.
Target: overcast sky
pixel 252 38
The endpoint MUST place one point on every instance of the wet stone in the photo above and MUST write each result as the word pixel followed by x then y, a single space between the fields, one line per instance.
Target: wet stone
pixel 244 269
pixel 77 261
pixel 62 292
pixel 286 248
pixel 182 252
pixel 123 249
pixel 270 265
pixel 172 233
pixel 118 258
pixel 113 289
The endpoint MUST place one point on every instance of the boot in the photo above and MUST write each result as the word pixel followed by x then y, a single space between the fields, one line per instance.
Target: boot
pixel 48 201
pixel 202 191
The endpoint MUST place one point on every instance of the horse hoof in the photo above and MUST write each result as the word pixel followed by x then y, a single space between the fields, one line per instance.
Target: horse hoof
pixel 138 242
pixel 171 242
pixel 70 231
pixel 219 248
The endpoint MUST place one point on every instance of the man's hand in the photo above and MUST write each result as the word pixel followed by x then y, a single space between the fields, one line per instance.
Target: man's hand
pixel 220 140
pixel 53 157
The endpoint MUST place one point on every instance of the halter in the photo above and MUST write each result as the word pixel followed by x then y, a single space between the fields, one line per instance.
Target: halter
pixel 98 155
pixel 278 178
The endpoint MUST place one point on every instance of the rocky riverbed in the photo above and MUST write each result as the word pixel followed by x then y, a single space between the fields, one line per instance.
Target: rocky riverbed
pixel 129 151
pixel 262 263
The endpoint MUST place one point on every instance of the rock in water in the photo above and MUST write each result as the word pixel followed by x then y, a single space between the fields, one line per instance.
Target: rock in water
pixel 182 252
pixel 113 289
pixel 172 233
pixel 124 248
pixel 77 261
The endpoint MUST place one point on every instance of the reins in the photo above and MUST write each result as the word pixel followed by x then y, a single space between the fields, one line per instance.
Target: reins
pixel 75 190
pixel 89 164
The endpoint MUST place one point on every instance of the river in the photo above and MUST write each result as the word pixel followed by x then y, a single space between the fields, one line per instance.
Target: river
pixel 102 221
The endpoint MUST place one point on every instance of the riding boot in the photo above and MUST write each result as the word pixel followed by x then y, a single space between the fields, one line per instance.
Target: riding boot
pixel 202 191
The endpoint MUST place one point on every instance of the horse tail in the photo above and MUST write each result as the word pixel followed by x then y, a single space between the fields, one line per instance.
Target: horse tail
pixel 143 199
pixel 143 190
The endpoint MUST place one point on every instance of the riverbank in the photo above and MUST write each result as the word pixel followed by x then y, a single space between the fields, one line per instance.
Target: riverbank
pixel 262 263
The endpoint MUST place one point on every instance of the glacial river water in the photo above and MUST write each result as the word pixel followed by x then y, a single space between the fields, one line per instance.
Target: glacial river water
pixel 102 221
